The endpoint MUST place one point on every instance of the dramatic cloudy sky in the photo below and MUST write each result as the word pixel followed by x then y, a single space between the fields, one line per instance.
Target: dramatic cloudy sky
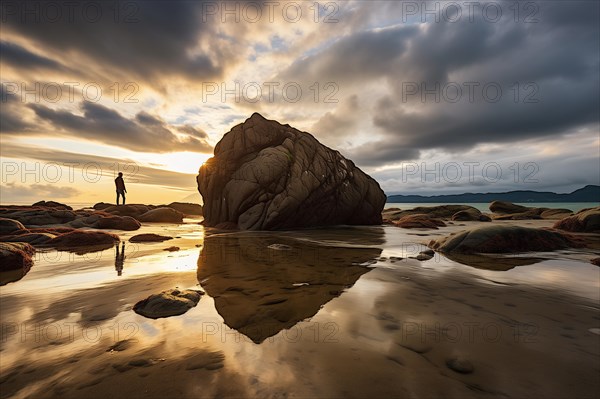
pixel 428 97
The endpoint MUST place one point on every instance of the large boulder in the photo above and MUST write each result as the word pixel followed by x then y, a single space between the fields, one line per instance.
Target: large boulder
pixel 503 239
pixel 584 221
pixel 268 176
pixel 168 303
pixel 162 215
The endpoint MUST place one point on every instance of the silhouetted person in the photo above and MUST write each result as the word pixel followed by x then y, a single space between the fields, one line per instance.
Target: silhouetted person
pixel 120 187
pixel 119 258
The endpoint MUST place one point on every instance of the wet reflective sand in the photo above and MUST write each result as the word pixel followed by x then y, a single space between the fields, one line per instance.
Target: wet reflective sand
pixel 319 313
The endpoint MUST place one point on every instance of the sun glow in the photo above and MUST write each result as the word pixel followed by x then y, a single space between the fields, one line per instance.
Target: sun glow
pixel 182 162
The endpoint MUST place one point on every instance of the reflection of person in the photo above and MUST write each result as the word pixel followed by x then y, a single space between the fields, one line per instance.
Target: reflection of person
pixel 119 258
pixel 120 187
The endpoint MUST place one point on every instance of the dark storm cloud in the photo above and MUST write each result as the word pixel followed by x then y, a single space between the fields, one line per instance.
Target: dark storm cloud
pixel 11 116
pixel 559 56
pixel 20 57
pixel 150 40
pixel 145 132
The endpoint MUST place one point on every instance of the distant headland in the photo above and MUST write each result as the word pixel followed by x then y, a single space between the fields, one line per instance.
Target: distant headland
pixel 589 193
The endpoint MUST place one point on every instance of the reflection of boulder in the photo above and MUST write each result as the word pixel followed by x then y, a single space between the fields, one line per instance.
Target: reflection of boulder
pixel 264 283
pixel 488 262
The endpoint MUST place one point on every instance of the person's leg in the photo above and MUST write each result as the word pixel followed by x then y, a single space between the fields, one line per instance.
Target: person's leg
pixel 117 198
pixel 123 194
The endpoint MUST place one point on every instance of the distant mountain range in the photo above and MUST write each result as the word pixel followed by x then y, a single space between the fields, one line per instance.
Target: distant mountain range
pixel 590 193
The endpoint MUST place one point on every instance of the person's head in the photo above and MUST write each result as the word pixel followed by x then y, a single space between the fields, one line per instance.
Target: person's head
pixel 120 174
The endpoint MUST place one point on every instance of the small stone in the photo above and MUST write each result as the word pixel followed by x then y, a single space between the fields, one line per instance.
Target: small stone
pixel 460 366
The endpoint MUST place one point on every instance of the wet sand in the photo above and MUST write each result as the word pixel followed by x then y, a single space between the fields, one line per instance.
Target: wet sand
pixel 342 312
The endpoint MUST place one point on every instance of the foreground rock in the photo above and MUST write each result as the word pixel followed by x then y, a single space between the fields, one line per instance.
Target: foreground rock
pixel 53 204
pixel 503 239
pixel 163 215
pixel 460 212
pixel 83 238
pixel 149 237
pixel 268 176
pixel 15 261
pixel 584 221
pixel 10 226
pixel 168 303
pixel 508 211
pixel 15 256
pixel 419 221
pixel 187 208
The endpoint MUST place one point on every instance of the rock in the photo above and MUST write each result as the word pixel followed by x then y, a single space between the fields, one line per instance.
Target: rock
pixel 555 213
pixel 163 215
pixel 504 207
pixel 168 303
pixel 503 239
pixel 460 365
pixel 30 238
pixel 38 216
pixel 470 215
pixel 16 256
pixel 171 249
pixel 268 176
pixel 422 257
pixel 10 226
pixel 440 212
pixel 81 238
pixel 584 221
pixel 485 218
pixel 419 221
pixel 186 208
pixel 102 205
pixel 53 204
pixel 149 237
pixel 509 211
pixel 133 210
pixel 126 223
pixel 595 261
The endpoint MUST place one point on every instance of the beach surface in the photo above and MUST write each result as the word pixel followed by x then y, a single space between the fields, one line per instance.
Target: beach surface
pixel 331 312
